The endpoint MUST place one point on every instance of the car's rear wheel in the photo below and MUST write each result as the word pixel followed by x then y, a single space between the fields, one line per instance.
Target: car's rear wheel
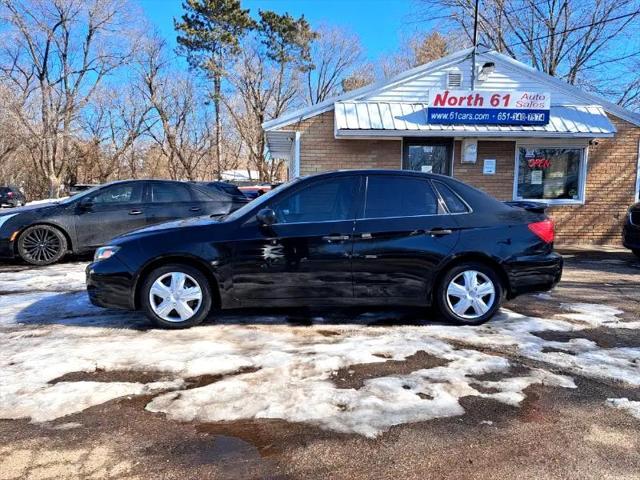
pixel 176 296
pixel 42 245
pixel 469 294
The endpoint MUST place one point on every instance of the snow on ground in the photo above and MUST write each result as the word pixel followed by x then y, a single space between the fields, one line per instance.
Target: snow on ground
pixel 272 369
pixel 630 406
pixel 46 200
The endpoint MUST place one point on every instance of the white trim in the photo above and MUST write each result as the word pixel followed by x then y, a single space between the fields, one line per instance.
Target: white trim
pixel 295 170
pixel 558 84
pixel 582 175
pixel 391 134
pixel 638 175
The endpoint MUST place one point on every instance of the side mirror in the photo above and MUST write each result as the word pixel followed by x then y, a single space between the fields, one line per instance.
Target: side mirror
pixel 85 204
pixel 266 217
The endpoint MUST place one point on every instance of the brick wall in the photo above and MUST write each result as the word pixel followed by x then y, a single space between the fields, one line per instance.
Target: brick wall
pixel 610 185
pixel 499 185
pixel 610 190
pixel 321 151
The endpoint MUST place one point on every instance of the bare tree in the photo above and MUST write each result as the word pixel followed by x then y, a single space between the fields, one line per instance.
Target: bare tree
pixel 415 50
pixel 57 53
pixel 360 77
pixel 559 37
pixel 118 117
pixel 177 123
pixel 335 54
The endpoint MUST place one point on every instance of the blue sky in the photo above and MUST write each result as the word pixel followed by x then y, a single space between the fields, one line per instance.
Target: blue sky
pixel 381 24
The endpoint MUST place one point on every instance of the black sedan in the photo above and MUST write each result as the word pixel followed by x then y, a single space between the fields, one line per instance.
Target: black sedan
pixel 42 234
pixel 11 197
pixel 631 232
pixel 342 238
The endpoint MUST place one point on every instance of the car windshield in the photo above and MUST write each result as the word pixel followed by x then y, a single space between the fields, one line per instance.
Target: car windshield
pixel 255 204
pixel 78 196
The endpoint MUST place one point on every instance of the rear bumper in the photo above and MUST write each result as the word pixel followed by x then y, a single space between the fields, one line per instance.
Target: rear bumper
pixel 110 285
pixel 535 273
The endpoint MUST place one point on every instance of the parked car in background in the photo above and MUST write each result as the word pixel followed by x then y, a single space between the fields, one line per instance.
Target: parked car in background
pixel 11 197
pixel 226 189
pixel 341 238
pixel 80 187
pixel 42 234
pixel 254 191
pixel 631 231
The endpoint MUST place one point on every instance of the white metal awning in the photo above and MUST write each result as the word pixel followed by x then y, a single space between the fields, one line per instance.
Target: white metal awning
pixel 372 119
pixel 280 144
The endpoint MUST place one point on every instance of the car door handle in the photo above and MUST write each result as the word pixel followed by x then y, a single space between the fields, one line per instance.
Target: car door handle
pixel 336 238
pixel 195 209
pixel 135 211
pixel 437 232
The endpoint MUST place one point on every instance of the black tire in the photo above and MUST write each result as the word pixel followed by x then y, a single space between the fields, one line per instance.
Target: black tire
pixel 42 245
pixel 202 310
pixel 636 252
pixel 445 307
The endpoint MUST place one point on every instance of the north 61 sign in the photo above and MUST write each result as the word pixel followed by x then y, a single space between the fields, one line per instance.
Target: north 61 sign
pixel 466 107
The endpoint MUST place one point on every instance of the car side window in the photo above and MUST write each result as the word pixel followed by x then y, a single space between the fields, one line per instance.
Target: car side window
pixel 451 199
pixel 115 194
pixel 328 200
pixel 169 193
pixel 389 196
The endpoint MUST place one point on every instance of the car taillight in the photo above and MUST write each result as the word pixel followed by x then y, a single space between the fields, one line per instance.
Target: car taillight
pixel 9 194
pixel 544 229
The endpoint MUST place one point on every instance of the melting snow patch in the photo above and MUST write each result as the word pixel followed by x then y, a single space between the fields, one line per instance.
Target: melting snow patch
pixel 631 406
pixel 45 334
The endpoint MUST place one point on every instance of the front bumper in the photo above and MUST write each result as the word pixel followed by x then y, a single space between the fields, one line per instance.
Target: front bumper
pixel 110 284
pixel 7 249
pixel 631 236
pixel 535 273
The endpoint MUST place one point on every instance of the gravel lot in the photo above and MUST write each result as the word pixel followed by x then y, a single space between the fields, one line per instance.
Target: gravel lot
pixel 549 389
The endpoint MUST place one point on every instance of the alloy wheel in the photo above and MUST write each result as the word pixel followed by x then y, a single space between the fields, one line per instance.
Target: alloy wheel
pixel 41 245
pixel 175 297
pixel 471 294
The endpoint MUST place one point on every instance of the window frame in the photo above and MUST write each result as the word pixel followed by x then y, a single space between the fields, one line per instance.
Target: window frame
pixel 582 171
pixel 365 191
pixel 151 184
pixel 408 142
pixel 358 201
pixel 91 197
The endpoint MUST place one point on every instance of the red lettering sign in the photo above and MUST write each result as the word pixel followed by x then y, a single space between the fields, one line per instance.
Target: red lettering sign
pixel 542 163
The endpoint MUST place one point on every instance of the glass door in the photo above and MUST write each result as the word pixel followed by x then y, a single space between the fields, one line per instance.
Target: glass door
pixel 427 155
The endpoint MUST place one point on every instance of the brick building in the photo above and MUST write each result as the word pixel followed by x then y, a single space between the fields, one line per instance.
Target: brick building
pixel 516 133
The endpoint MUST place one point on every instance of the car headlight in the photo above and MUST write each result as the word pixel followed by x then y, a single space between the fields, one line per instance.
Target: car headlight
pixel 105 252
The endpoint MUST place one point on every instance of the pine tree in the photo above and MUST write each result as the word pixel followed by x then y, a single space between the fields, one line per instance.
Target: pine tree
pixel 209 36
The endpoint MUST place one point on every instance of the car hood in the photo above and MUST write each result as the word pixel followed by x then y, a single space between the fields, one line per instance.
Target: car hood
pixel 175 224
pixel 28 208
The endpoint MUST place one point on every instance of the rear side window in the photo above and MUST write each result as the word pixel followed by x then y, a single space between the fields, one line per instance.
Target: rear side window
pixel 169 193
pixel 399 197
pixel 451 199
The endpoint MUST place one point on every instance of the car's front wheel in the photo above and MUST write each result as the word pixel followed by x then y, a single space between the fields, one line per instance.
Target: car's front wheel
pixel 42 245
pixel 176 296
pixel 469 294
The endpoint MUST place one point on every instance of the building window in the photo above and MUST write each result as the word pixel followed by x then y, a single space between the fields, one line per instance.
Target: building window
pixel 553 174
pixel 428 156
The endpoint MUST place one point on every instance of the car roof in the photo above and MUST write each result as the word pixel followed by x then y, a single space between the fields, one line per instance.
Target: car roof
pixel 376 171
